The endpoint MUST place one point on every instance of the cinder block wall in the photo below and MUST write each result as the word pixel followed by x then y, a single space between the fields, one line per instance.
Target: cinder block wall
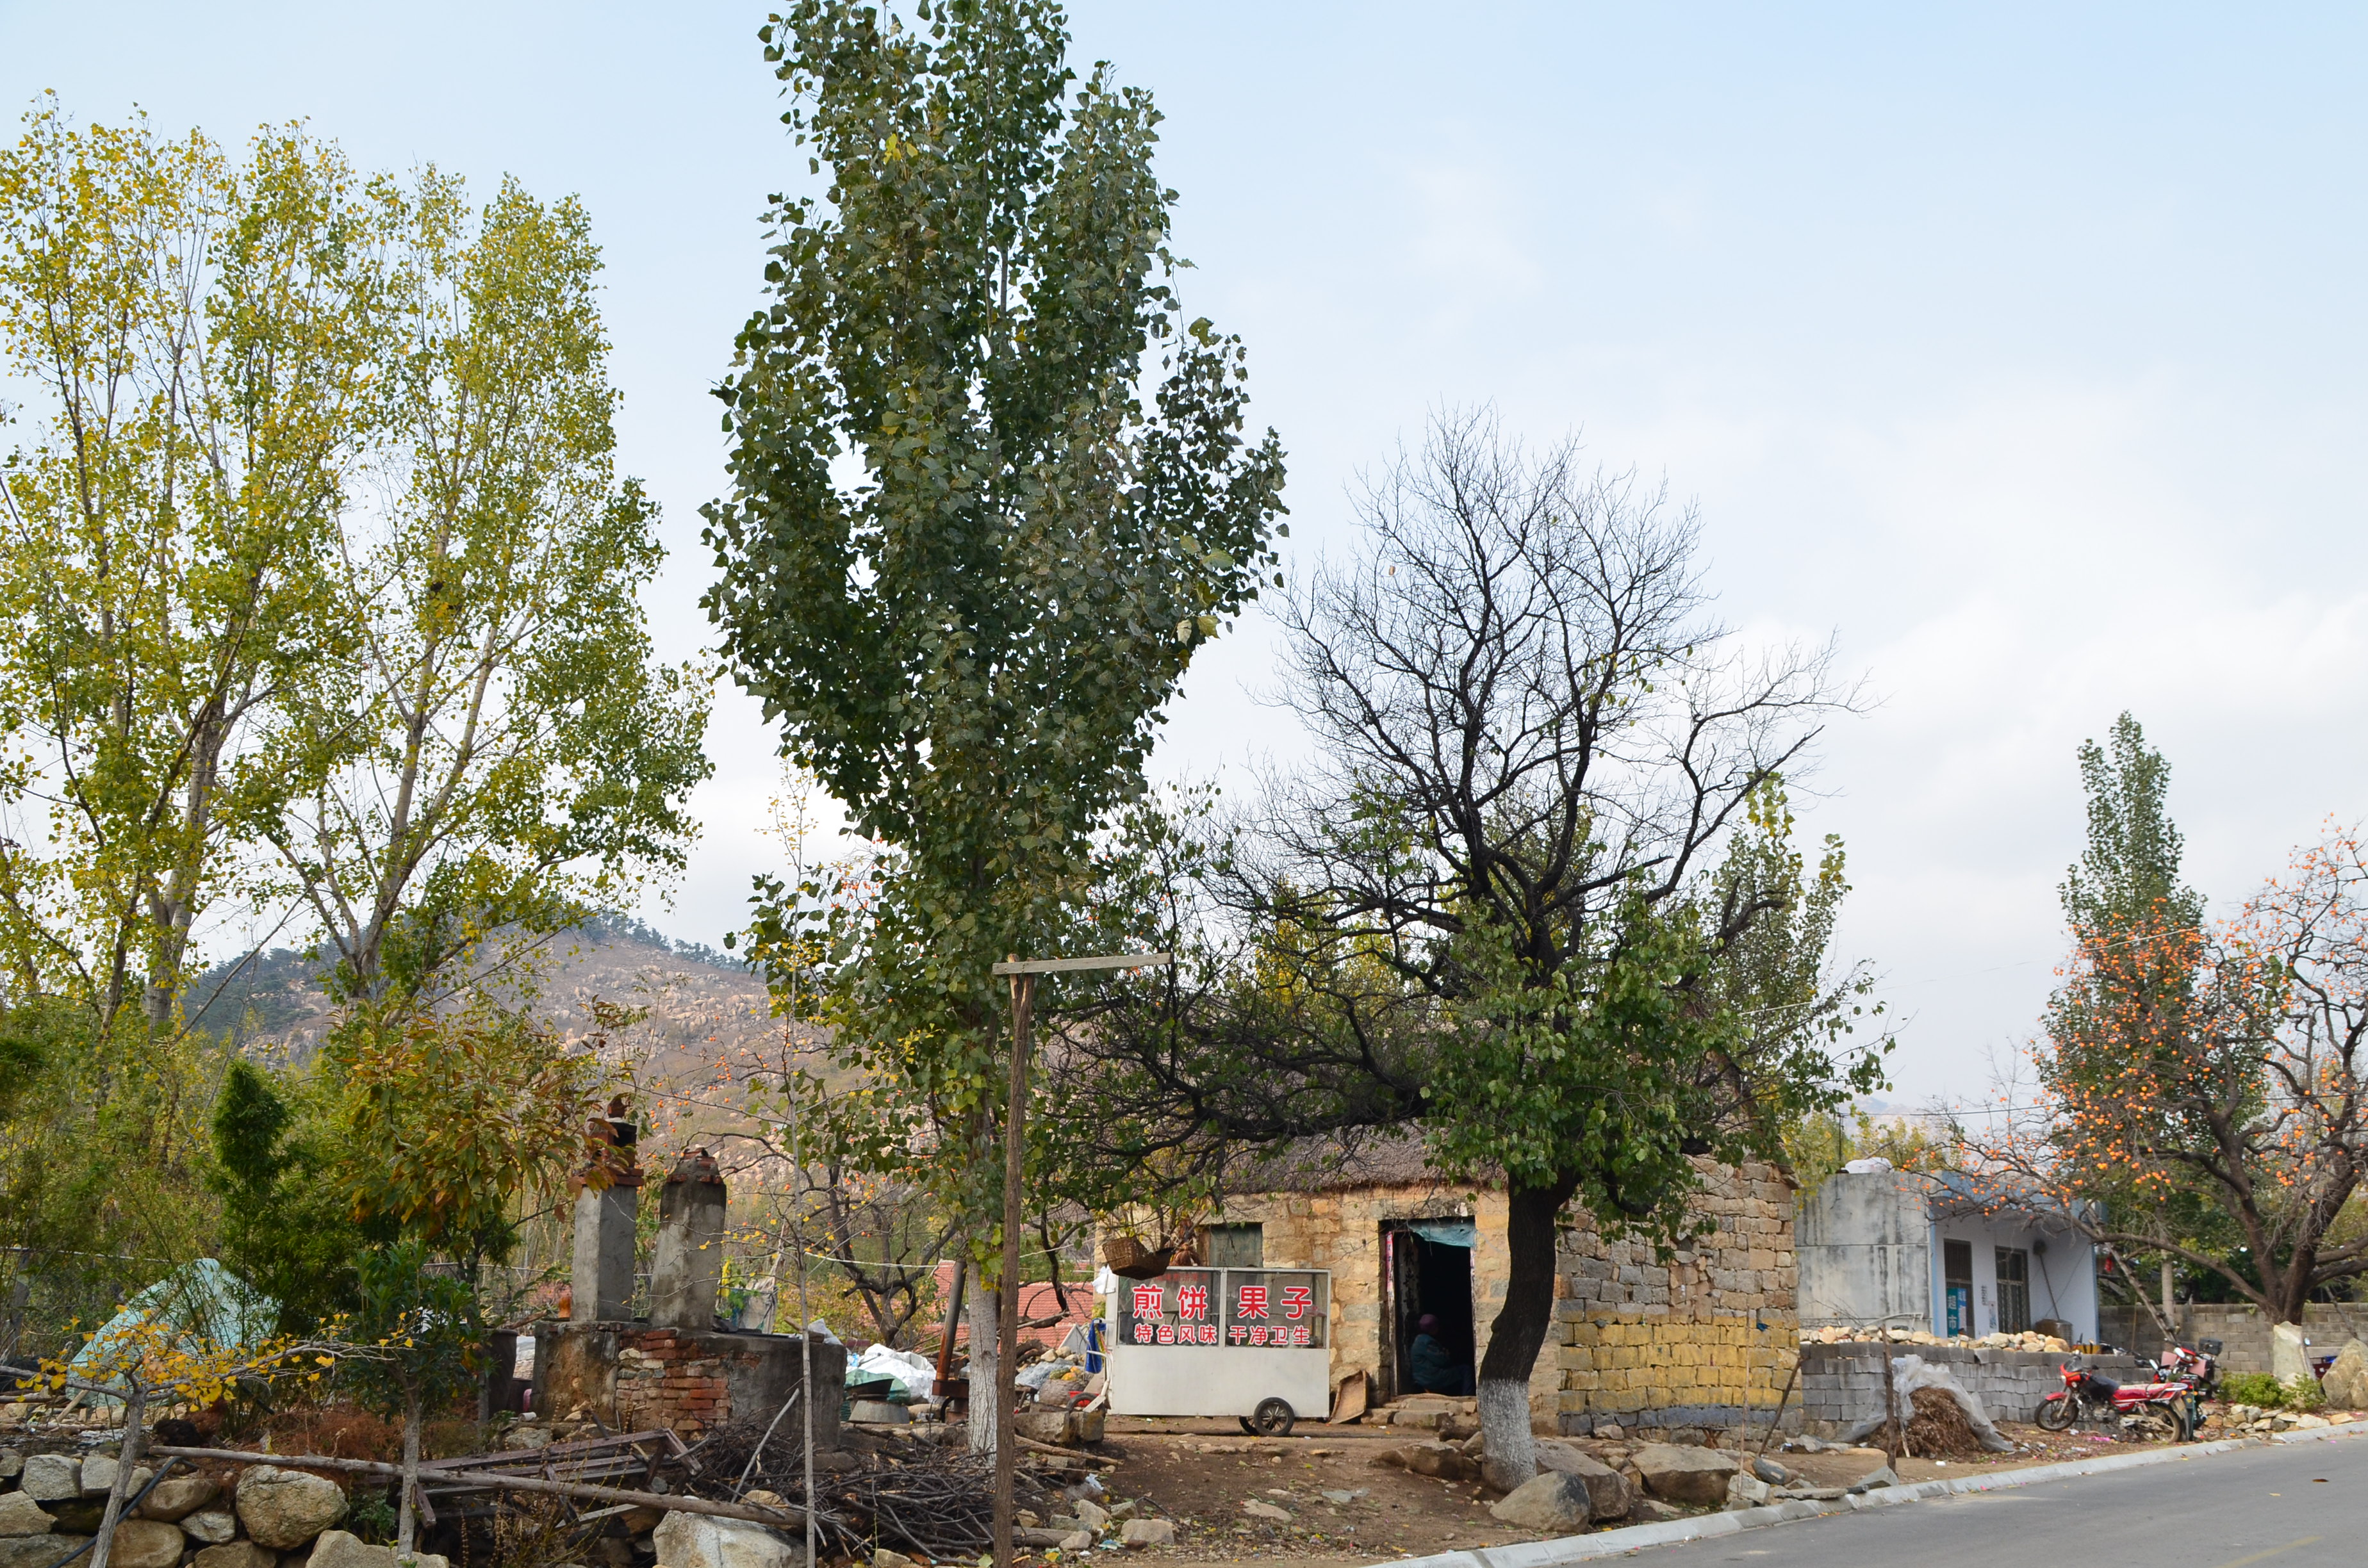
pixel 2243 1331
pixel 1842 1384
pixel 1705 1340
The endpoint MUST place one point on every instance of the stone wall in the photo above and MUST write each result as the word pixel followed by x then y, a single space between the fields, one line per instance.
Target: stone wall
pixel 1703 1340
pixel 1842 1384
pixel 2243 1331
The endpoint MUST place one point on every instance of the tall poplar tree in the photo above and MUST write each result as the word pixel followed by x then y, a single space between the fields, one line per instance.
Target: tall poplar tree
pixel 990 491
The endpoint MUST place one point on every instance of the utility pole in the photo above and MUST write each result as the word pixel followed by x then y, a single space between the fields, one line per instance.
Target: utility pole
pixel 1023 974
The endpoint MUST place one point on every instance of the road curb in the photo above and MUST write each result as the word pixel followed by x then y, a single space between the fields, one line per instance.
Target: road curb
pixel 1669 1532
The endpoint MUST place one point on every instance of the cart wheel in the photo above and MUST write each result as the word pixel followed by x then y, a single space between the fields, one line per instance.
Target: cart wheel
pixel 1272 1418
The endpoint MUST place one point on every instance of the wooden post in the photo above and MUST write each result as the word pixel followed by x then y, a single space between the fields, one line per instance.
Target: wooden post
pixel 1786 1398
pixel 954 1321
pixel 1023 974
pixel 1892 1433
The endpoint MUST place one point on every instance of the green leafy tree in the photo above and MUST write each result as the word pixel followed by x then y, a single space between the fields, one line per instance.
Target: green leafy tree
pixel 196 334
pixel 289 1220
pixel 2139 929
pixel 1536 897
pixel 990 493
pixel 422 1343
pixel 2128 871
pixel 321 599
pixel 502 752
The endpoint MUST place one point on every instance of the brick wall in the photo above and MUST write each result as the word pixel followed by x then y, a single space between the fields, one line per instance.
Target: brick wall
pixel 634 1377
pixel 1842 1384
pixel 1702 1340
pixel 664 1380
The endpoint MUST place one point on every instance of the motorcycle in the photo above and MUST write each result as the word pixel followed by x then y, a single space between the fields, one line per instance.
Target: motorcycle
pixel 2199 1366
pixel 2163 1408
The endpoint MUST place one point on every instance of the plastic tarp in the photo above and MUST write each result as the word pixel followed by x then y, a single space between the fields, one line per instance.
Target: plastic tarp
pixel 1910 1373
pixel 916 1377
pixel 207 1306
pixel 1084 1341
pixel 1446 1232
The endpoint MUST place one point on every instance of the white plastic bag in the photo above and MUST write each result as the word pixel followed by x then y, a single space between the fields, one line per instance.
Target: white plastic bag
pixel 917 1376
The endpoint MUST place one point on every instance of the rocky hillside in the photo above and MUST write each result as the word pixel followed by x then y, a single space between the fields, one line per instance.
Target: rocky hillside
pixel 703 1017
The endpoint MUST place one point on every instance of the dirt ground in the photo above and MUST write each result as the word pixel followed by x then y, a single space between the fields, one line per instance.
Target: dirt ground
pixel 1345 1509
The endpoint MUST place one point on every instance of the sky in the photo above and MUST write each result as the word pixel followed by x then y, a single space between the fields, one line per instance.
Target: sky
pixel 2018 349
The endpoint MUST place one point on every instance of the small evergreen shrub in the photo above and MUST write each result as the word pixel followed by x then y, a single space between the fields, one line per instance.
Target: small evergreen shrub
pixel 2253 1388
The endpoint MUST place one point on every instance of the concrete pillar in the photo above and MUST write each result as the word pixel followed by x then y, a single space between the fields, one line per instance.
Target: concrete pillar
pixel 608 1205
pixel 604 1253
pixel 687 1266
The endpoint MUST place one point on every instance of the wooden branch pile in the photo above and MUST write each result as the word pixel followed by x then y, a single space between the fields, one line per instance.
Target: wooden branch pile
pixel 913 1496
pixel 931 1498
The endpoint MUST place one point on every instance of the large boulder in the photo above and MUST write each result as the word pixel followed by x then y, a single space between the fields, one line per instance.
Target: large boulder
pixel 337 1548
pixel 1548 1504
pixel 21 1516
pixel 146 1543
pixel 178 1496
pixel 2346 1383
pixel 1747 1490
pixel 702 1541
pixel 1609 1495
pixel 284 1509
pixel 2289 1358
pixel 1446 1462
pixel 235 1554
pixel 1681 1473
pixel 38 1550
pixel 98 1474
pixel 50 1478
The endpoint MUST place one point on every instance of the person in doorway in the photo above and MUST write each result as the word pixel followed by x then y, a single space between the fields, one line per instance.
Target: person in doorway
pixel 1437 1369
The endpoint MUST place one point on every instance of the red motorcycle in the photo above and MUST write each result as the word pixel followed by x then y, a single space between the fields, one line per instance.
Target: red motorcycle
pixel 2165 1408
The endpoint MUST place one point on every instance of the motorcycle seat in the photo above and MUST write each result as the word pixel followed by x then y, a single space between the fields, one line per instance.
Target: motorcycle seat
pixel 2104 1384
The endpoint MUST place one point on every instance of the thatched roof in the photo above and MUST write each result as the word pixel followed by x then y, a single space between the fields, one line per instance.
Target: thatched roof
pixel 1386 1158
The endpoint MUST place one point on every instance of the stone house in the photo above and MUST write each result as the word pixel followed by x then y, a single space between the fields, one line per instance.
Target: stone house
pixel 1705 1340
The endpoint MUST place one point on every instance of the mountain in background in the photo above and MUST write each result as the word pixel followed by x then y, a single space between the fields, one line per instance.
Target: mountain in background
pixel 705 1015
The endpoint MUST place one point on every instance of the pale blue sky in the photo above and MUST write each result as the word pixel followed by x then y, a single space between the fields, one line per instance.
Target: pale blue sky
pixel 2020 348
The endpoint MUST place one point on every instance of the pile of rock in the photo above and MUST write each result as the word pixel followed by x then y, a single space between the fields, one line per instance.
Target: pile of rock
pixel 1835 1334
pixel 270 1518
pixel 2251 1419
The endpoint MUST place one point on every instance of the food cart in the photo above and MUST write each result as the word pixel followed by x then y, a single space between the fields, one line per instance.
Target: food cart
pixel 1250 1343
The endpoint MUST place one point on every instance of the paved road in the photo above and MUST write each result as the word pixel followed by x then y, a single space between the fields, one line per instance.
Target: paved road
pixel 2296 1506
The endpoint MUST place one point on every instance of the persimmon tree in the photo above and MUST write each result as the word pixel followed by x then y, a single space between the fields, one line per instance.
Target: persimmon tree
pixel 2202 1088
pixel 990 493
pixel 454 1116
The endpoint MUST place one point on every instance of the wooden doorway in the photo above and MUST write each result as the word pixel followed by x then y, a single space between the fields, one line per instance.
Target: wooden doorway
pixel 1426 1270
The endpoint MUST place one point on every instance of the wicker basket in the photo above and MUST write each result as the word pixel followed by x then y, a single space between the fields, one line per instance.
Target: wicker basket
pixel 1128 1258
